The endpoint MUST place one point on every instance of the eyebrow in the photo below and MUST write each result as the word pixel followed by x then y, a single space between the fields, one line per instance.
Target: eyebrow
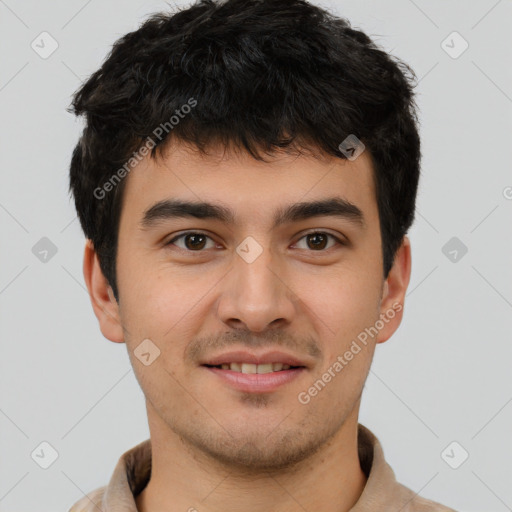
pixel 175 209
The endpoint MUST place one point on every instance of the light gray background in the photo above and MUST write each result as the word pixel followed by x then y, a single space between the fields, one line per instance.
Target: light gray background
pixel 445 376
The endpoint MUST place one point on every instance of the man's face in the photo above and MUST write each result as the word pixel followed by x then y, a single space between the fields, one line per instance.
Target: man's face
pixel 249 285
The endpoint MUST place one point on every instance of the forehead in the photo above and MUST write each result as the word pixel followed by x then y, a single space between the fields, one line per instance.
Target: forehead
pixel 246 186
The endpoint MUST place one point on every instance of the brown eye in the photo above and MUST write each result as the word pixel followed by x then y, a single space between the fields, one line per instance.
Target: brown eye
pixel 192 241
pixel 318 240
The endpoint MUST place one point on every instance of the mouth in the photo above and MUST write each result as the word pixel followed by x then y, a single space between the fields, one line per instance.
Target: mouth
pixel 249 381
pixel 251 368
pixel 252 373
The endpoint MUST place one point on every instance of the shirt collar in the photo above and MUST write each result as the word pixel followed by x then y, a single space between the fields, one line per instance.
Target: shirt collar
pixel 133 471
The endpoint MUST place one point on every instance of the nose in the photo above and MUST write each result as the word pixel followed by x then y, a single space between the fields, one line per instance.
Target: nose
pixel 256 295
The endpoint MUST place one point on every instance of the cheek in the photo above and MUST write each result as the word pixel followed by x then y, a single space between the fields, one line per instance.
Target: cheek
pixel 340 303
pixel 166 307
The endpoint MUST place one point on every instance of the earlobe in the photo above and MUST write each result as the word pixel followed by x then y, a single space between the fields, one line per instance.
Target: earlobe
pixel 394 290
pixel 102 298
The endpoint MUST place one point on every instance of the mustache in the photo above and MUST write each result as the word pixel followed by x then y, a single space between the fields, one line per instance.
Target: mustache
pixel 200 347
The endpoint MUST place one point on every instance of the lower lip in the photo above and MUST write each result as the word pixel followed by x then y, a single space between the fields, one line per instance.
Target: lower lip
pixel 256 382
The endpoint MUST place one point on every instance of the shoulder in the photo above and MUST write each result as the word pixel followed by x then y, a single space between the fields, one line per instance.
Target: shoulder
pixel 416 503
pixel 91 502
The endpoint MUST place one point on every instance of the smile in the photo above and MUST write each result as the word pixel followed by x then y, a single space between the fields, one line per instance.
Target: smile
pixel 253 368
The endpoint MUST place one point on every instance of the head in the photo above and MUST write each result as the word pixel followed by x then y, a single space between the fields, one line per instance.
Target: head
pixel 240 107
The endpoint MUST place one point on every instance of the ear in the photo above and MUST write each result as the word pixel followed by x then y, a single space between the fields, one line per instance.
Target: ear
pixel 102 298
pixel 394 289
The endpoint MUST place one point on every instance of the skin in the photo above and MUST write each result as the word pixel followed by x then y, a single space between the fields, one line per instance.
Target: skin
pixel 216 448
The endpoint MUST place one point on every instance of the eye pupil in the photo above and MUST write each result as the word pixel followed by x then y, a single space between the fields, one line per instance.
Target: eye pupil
pixel 194 238
pixel 315 237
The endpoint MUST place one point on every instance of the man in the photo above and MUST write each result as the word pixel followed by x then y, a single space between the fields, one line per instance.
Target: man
pixel 245 180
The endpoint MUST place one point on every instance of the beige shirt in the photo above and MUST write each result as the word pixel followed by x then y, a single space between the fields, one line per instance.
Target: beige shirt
pixel 381 493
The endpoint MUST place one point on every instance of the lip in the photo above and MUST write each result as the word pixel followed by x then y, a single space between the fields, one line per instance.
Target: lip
pixel 256 382
pixel 243 356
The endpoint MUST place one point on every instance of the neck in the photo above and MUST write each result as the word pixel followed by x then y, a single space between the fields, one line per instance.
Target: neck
pixel 183 478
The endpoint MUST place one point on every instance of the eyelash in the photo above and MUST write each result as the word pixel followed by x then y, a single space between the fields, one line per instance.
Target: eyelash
pixel 338 240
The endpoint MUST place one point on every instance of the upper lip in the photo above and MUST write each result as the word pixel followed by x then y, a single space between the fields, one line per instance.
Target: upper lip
pixel 242 356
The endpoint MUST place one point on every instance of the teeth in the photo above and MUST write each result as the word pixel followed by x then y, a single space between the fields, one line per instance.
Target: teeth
pixel 255 368
pixel 249 368
pixel 265 368
pixel 234 367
